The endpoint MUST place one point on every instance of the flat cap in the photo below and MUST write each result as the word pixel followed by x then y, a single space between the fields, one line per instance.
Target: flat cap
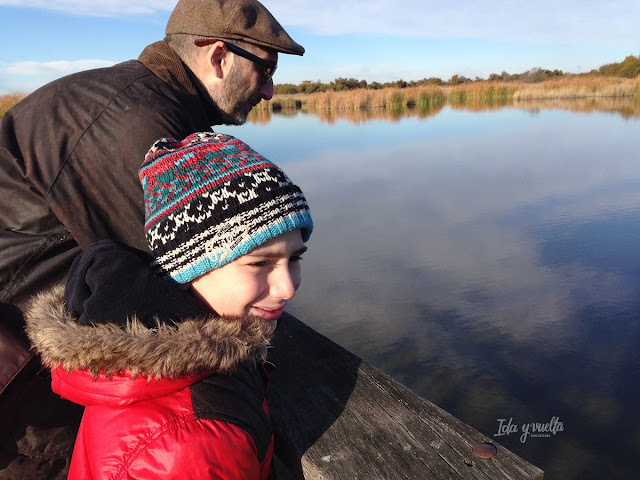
pixel 246 20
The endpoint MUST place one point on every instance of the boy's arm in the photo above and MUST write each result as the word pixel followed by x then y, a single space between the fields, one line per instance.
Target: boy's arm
pixel 195 450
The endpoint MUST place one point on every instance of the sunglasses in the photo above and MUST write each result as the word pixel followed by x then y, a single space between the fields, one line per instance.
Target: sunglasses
pixel 269 67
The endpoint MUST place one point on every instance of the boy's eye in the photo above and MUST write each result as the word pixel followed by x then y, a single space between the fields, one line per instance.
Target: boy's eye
pixel 261 263
pixel 295 258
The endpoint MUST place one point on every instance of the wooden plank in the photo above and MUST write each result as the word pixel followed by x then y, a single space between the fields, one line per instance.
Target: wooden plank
pixel 336 417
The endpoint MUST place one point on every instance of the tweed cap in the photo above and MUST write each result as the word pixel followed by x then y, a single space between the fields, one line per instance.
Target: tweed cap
pixel 210 199
pixel 246 20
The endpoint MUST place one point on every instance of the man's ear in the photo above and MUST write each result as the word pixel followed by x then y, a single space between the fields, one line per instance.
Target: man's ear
pixel 218 58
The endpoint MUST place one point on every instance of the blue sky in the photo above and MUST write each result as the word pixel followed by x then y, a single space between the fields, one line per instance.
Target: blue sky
pixel 379 40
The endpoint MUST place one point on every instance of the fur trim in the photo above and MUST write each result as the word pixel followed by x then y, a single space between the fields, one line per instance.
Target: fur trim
pixel 168 351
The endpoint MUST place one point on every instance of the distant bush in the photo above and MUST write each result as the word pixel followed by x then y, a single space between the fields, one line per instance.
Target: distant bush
pixel 306 86
pixel 628 68
pixel 340 84
pixel 286 88
pixel 537 75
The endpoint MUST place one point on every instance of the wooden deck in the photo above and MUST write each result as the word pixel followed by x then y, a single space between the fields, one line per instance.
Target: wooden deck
pixel 336 417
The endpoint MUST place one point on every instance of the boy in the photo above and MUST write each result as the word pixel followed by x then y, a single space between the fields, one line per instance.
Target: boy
pixel 170 369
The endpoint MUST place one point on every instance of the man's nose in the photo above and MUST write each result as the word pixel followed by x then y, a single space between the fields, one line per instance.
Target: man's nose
pixel 266 90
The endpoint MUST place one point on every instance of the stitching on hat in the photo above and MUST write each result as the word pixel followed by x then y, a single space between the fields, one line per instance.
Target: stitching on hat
pixel 231 21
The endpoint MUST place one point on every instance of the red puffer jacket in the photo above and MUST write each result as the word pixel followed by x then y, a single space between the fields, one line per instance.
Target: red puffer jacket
pixel 153 407
pixel 135 430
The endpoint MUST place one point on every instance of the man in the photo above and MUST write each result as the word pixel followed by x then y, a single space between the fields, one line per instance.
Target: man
pixel 69 159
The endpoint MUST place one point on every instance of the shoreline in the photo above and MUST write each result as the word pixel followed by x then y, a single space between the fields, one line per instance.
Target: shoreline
pixel 430 98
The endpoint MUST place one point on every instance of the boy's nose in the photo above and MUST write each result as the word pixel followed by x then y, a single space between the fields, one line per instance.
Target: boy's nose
pixel 283 285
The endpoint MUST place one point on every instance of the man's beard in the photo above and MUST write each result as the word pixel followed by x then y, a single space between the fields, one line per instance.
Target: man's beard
pixel 231 102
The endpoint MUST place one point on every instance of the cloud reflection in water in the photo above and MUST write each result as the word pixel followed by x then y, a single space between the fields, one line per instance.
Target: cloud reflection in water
pixel 489 261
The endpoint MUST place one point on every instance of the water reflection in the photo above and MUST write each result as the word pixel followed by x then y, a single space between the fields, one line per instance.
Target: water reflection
pixel 627 107
pixel 489 261
pixel 353 115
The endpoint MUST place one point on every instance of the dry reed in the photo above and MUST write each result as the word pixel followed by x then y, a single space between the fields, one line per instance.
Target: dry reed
pixel 580 87
pixel 8 101
pixel 481 94
pixel 365 98
pixel 361 101
pixel 362 104
pixel 473 94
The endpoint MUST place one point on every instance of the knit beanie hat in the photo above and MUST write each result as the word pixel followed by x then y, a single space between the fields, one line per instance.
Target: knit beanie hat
pixel 210 199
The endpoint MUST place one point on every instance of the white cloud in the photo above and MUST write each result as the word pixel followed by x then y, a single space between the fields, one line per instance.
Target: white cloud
pixel 100 8
pixel 546 21
pixel 27 76
pixel 57 68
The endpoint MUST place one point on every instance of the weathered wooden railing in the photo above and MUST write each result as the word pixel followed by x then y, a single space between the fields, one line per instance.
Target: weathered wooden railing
pixel 335 417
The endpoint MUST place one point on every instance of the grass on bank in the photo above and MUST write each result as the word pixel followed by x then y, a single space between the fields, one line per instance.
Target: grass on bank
pixel 428 99
pixel 581 87
pixel 431 97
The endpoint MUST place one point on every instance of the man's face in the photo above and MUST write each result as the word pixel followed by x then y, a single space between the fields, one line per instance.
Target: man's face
pixel 257 284
pixel 243 87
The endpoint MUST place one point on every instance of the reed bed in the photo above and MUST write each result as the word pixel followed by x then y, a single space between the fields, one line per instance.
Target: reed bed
pixel 286 102
pixel 364 104
pixel 580 87
pixel 389 98
pixel 481 94
pixel 361 102
pixel 424 99
pixel 8 101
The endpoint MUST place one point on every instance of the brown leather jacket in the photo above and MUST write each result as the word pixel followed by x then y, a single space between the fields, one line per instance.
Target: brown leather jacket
pixel 69 159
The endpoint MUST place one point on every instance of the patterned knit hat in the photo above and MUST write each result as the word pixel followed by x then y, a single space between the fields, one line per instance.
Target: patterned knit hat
pixel 209 199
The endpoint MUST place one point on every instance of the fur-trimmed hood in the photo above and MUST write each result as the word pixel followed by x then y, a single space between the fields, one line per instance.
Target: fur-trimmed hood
pixel 168 350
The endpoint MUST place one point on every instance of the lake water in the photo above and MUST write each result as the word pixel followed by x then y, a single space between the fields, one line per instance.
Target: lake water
pixel 489 260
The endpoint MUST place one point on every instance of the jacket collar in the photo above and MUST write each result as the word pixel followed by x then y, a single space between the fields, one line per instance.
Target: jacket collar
pixel 169 351
pixel 160 58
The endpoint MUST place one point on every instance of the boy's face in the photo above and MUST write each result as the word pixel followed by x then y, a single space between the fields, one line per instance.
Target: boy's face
pixel 259 283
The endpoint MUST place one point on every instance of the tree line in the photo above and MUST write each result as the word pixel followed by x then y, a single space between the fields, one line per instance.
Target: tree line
pixel 628 68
